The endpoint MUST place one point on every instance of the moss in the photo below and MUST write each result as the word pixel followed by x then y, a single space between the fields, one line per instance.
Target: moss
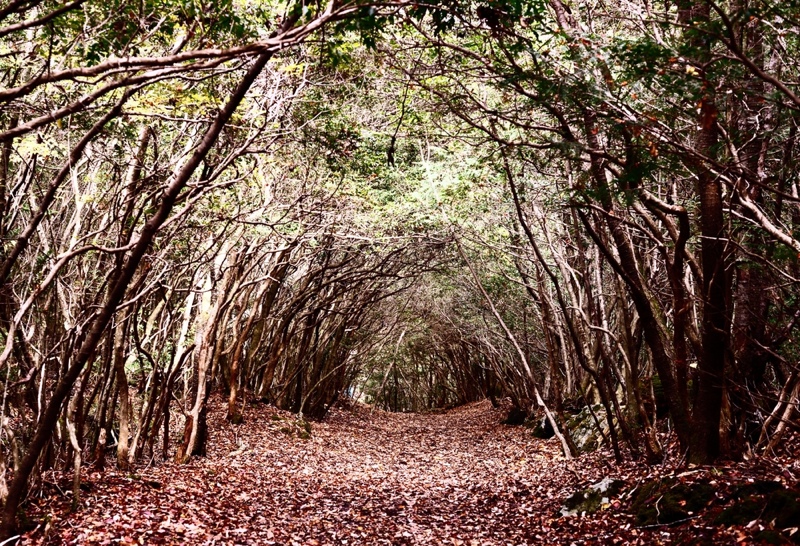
pixel 645 492
pixel 740 513
pixel 593 498
pixel 697 496
pixel 784 508
pixel 660 398
pixel 661 511
pixel 583 429
pixel 660 502
pixel 757 488
pixel 770 536
pixel 765 501
pixel 543 429
pixel 299 427
pixel 276 417
pixel 584 501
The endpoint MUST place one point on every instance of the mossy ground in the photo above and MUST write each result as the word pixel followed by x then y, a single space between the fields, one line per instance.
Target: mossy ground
pixel 767 502
pixel 593 498
pixel 299 428
pixel 667 501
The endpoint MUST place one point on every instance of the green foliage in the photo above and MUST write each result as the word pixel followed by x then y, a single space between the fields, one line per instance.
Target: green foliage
pixel 367 24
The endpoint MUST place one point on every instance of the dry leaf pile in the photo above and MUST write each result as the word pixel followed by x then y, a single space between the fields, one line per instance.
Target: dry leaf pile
pixel 361 477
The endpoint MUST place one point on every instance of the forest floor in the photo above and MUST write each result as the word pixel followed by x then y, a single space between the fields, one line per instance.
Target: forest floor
pixel 363 477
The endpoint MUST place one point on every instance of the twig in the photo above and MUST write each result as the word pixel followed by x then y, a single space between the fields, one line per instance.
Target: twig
pixel 656 525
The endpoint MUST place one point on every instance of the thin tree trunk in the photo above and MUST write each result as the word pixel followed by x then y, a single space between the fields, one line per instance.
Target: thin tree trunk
pixel 125 411
pixel 117 293
pixel 72 411
pixel 550 417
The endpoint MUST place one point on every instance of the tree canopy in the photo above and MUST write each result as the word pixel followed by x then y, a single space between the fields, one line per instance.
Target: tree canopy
pixel 413 205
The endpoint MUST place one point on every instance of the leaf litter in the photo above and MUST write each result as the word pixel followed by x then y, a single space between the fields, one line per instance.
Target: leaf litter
pixel 364 477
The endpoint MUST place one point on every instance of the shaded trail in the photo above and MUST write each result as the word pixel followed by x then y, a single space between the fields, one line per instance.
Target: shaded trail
pixel 362 478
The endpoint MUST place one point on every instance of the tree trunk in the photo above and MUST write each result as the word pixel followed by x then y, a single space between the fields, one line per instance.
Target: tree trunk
pixel 100 322
pixel 125 411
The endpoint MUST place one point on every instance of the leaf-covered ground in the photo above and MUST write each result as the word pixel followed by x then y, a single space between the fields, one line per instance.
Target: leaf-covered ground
pixel 369 478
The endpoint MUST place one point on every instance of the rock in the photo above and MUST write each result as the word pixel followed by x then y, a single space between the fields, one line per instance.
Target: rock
pixel 769 536
pixel 516 416
pixel 767 501
pixel 305 429
pixel 543 429
pixel 584 431
pixel 593 498
pixel 763 487
pixel 667 501
pixel 294 427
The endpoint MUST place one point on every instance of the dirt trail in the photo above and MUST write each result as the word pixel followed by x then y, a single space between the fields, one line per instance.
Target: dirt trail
pixel 364 478
pixel 361 478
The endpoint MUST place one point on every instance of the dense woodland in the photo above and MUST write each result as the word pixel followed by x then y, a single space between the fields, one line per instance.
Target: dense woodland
pixel 414 205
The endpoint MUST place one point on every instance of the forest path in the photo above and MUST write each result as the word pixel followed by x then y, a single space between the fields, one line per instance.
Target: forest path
pixel 361 478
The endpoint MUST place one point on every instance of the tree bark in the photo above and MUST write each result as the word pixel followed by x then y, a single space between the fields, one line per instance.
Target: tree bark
pixel 116 295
